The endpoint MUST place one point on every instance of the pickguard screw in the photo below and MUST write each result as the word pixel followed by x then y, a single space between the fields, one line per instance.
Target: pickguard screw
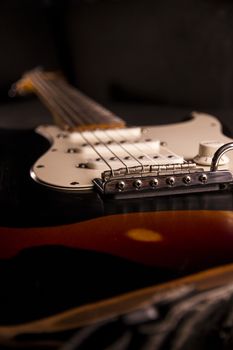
pixel 72 150
pixel 82 165
pixel 163 143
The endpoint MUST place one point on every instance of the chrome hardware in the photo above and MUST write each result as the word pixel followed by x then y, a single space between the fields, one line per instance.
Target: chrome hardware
pixel 203 178
pixel 121 185
pixel 154 182
pixel 170 181
pixel 187 179
pixel 167 179
pixel 137 184
pixel 150 170
pixel 219 153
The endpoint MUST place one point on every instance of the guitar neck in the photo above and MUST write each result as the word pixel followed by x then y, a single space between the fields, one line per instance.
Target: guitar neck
pixel 71 109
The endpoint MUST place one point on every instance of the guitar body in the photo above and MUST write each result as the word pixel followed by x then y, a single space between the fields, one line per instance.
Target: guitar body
pixel 57 242
pixel 66 243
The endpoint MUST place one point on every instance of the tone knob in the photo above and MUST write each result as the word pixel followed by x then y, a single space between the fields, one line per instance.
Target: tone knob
pixel 206 153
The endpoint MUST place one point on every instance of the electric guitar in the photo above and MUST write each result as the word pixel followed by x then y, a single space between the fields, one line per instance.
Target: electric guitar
pixel 89 195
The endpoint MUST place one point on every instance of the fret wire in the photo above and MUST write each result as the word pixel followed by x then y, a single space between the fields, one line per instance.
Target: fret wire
pixel 68 115
pixel 50 102
pixel 77 109
pixel 129 153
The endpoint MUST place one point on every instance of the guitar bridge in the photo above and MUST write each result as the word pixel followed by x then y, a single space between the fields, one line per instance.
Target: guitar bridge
pixel 162 180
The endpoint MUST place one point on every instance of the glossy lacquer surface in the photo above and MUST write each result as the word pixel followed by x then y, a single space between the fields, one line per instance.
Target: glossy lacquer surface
pixel 175 240
pixel 59 250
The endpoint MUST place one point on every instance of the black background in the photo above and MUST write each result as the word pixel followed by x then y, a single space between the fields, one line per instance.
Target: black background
pixel 149 61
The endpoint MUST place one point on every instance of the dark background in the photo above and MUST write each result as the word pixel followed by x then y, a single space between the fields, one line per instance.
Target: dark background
pixel 150 61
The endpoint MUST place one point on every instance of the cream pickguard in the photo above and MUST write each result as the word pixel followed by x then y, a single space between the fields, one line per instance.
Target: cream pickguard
pixel 91 145
pixel 76 158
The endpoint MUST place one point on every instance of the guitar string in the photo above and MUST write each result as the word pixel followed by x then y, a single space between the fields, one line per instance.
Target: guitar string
pixel 73 91
pixel 114 154
pixel 76 107
pixel 99 154
pixel 80 111
pixel 73 108
pixel 75 113
pixel 138 148
pixel 99 140
pixel 50 103
pixel 127 151
pixel 119 158
pixel 42 91
pixel 90 144
pixel 94 107
pixel 87 141
pixel 68 113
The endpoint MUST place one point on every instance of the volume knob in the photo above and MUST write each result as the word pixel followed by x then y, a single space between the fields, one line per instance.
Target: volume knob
pixel 206 152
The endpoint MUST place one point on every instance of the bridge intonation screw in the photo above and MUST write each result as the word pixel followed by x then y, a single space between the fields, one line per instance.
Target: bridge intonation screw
pixel 170 181
pixel 137 183
pixel 203 178
pixel 187 179
pixel 121 185
pixel 154 182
